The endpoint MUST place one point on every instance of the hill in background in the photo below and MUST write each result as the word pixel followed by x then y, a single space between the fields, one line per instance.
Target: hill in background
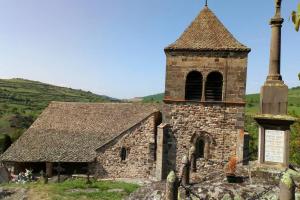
pixel 21 101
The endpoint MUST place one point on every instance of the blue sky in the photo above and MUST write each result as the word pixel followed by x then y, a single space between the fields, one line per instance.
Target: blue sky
pixel 115 47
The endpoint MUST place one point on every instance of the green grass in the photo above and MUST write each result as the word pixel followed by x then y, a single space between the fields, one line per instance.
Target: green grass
pixel 29 98
pixel 65 190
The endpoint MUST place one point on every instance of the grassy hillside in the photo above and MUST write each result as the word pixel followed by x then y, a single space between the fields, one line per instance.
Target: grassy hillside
pixel 21 101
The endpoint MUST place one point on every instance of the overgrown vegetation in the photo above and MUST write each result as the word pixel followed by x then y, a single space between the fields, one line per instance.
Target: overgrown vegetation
pixel 78 189
pixel 21 101
pixel 296 18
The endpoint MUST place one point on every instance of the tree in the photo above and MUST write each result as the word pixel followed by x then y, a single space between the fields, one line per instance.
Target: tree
pixel 296 21
pixel 299 76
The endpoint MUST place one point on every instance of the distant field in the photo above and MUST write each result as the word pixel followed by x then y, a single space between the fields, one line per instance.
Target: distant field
pixel 21 101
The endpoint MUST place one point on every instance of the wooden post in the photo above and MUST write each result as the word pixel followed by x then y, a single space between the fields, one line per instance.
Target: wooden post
pixel 185 171
pixel 172 187
pixel 49 169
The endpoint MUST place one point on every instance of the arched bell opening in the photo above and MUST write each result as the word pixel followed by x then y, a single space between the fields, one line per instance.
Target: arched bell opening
pixel 193 86
pixel 214 87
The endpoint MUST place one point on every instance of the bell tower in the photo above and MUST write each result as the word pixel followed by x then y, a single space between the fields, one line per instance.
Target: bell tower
pixel 204 100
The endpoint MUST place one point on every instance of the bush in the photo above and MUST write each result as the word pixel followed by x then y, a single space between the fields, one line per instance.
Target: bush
pixel 5 142
pixel 21 121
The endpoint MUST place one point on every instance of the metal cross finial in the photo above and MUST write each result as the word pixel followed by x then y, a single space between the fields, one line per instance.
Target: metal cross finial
pixel 206 3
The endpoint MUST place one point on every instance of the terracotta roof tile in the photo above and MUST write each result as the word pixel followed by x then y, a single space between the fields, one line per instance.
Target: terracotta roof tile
pixel 207 32
pixel 71 132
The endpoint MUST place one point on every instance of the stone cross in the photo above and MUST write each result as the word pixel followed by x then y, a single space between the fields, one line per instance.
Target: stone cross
pixel 59 169
pixel 44 176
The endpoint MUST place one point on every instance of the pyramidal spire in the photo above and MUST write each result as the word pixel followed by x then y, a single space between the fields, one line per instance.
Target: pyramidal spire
pixel 207 32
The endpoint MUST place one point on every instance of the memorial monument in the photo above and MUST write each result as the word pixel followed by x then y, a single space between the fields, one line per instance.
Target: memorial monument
pixel 274 130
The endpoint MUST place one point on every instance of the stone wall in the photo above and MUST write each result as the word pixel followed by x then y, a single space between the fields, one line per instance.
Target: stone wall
pixel 220 124
pixel 140 143
pixel 232 65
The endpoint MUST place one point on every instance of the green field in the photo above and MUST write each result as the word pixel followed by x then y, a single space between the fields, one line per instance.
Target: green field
pixel 21 101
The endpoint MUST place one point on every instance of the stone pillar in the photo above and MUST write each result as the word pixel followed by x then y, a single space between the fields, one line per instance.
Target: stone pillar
pixel 161 152
pixel 206 149
pixel 182 193
pixel 273 121
pixel 261 145
pixel 172 187
pixel 185 171
pixel 274 93
pixel 49 169
pixel 243 147
pixel 286 192
pixel 203 89
pixel 287 184
pixel 275 50
pixel 192 159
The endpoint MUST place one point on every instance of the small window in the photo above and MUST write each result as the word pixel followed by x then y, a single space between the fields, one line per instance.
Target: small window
pixel 200 144
pixel 214 86
pixel 123 153
pixel 193 86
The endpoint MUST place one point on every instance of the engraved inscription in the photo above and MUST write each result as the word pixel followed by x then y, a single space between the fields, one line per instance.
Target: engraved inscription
pixel 274 146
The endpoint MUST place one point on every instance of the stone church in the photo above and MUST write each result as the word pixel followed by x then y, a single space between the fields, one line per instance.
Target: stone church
pixel 203 106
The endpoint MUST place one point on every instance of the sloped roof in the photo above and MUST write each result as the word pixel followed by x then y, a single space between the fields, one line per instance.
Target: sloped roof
pixel 71 132
pixel 207 32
